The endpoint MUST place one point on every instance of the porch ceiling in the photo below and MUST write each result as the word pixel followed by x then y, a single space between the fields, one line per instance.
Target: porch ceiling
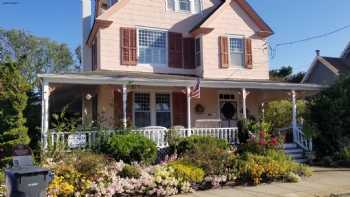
pixel 153 79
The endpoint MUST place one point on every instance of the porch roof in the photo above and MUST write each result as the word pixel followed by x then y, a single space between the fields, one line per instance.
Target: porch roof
pixel 157 79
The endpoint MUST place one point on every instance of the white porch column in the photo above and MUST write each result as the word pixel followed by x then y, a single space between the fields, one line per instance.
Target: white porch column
pixel 244 103
pixel 125 97
pixel 294 114
pixel 45 113
pixel 189 110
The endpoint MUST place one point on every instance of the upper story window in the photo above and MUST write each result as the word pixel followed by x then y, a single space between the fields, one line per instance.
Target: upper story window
pixel 198 54
pixel 191 6
pixel 185 5
pixel 152 46
pixel 236 51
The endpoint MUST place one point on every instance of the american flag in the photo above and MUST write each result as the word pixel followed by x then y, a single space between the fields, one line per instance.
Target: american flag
pixel 196 90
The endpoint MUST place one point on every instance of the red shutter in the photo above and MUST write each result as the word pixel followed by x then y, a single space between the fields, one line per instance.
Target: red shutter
pixel 175 50
pixel 94 56
pixel 129 108
pixel 248 54
pixel 118 109
pixel 128 46
pixel 189 53
pixel 179 102
pixel 223 52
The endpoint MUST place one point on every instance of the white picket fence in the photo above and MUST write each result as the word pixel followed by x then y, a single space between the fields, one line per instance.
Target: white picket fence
pixel 91 139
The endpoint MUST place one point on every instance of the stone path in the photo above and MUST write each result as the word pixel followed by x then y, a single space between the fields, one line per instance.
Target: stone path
pixel 325 182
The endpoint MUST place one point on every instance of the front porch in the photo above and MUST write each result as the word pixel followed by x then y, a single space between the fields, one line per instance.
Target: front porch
pixel 155 104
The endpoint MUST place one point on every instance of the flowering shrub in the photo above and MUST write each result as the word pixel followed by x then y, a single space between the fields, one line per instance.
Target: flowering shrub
pixel 130 171
pixel 71 180
pixel 274 165
pixel 187 172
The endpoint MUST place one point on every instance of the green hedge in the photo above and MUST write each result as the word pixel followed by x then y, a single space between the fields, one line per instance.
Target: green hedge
pixel 130 148
pixel 184 145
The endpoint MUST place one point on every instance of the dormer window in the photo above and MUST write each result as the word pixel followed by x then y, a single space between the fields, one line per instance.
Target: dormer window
pixel 186 6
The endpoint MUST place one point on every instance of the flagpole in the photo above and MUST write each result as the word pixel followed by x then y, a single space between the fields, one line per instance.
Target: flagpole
pixel 189 111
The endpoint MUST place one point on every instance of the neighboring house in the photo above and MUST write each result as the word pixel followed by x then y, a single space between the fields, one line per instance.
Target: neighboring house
pixel 326 70
pixel 141 58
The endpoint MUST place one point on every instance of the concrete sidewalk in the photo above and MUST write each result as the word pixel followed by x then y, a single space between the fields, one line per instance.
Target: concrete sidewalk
pixel 324 182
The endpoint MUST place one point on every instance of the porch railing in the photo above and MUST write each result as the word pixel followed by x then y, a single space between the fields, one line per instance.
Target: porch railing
pixel 92 139
pixel 299 138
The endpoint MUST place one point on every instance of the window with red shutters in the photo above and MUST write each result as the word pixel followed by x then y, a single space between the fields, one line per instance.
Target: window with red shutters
pixel 223 52
pixel 248 54
pixel 189 53
pixel 128 46
pixel 175 50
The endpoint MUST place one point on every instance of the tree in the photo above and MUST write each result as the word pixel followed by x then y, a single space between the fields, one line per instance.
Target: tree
pixel 281 74
pixel 37 55
pixel 296 78
pixel 279 113
pixel 329 116
pixel 13 101
pixel 285 74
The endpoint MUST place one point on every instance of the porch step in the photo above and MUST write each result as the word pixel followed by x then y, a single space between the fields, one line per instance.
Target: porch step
pixel 296 153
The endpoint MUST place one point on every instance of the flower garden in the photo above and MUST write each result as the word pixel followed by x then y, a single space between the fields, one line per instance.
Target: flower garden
pixel 127 165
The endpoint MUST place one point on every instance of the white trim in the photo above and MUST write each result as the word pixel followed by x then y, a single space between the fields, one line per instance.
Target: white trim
pixel 231 84
pixel 45 113
pixel 166 46
pixel 188 91
pixel 235 36
pixel 153 111
pixel 125 101
pixel 236 99
pixel 177 7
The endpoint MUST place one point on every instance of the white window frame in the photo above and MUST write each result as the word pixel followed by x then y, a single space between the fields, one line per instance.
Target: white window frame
pixel 133 107
pixel 229 48
pixel 200 51
pixel 138 28
pixel 153 109
pixel 177 7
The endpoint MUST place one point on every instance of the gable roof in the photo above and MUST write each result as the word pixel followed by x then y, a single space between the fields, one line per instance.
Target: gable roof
pixel 339 64
pixel 336 65
pixel 346 51
pixel 265 30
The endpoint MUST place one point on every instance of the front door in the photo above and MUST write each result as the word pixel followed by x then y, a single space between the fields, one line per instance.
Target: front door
pixel 228 110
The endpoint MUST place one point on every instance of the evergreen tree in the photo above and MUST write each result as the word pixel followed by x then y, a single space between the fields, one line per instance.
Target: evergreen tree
pixel 13 101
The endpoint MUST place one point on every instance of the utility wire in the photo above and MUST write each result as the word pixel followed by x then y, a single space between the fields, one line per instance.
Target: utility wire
pixel 314 37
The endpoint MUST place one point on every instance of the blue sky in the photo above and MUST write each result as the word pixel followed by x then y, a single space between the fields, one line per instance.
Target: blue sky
pixel 290 19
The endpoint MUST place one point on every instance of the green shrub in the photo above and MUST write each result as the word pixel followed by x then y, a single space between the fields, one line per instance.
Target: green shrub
pixel 243 130
pixel 279 113
pixel 184 145
pixel 130 171
pixel 273 165
pixel 87 162
pixel 329 115
pixel 187 172
pixel 130 148
pixel 75 172
pixel 210 154
pixel 293 178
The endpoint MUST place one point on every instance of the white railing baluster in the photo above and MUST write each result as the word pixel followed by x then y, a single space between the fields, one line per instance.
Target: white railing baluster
pixel 157 135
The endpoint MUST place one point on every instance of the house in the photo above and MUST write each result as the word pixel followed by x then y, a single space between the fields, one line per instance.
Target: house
pixel 142 58
pixel 326 70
